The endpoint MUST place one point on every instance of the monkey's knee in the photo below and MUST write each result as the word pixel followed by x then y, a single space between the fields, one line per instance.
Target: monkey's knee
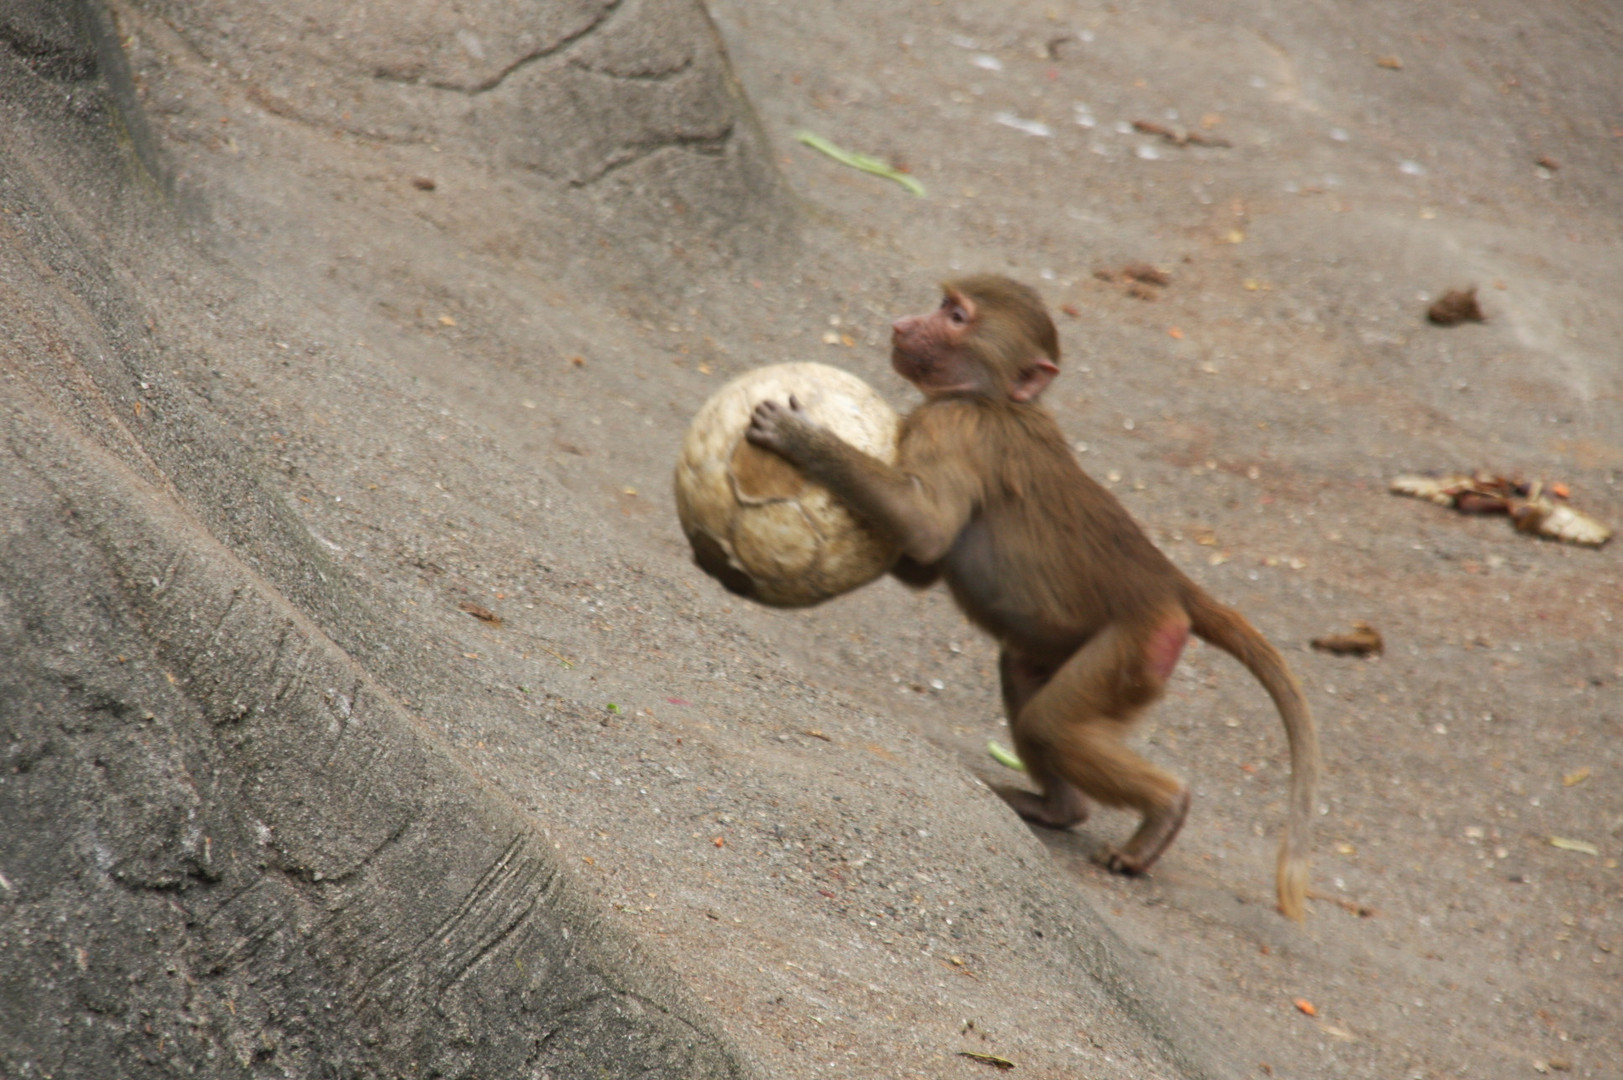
pixel 1092 759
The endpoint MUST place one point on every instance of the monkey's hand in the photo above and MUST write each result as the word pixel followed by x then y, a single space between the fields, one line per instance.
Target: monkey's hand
pixel 783 429
pixel 892 501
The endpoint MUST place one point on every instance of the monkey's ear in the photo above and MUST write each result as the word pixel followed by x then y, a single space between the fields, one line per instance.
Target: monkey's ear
pixel 1033 380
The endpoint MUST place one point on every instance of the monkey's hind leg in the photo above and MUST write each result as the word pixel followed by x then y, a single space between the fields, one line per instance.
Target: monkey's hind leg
pixel 1075 726
pixel 1060 804
pixel 1154 835
pixel 1059 807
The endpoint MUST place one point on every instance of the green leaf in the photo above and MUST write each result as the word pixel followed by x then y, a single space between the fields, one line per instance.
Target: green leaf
pixel 1004 756
pixel 860 161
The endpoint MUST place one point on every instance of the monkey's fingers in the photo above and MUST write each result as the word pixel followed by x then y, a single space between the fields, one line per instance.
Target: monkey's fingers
pixel 759 430
pixel 764 415
pixel 768 427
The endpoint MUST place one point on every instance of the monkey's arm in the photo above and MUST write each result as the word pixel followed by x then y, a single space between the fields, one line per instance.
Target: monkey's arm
pixel 912 506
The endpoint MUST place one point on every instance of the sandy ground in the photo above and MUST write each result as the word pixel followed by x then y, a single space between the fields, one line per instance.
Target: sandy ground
pixel 789 807
pixel 1253 413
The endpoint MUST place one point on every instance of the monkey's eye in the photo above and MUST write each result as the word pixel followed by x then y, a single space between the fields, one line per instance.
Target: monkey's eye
pixel 958 315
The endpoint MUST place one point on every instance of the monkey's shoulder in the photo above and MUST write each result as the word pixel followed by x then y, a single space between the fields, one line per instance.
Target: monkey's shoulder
pixel 972 421
pixel 936 416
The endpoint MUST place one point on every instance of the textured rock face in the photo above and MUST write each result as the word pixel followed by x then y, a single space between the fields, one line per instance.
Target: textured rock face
pixel 569 91
pixel 226 848
pixel 625 108
pixel 755 523
pixel 232 851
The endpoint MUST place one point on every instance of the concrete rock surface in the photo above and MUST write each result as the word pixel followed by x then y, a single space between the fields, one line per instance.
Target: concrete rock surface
pixel 365 715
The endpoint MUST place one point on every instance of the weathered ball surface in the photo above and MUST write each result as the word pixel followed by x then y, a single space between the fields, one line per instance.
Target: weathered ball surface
pixel 756 524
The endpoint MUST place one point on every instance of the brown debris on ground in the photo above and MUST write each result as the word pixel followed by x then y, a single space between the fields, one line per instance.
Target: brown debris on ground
pixel 1455 307
pixel 1364 640
pixel 1532 506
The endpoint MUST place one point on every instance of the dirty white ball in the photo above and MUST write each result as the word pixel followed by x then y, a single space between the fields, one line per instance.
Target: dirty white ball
pixel 756 524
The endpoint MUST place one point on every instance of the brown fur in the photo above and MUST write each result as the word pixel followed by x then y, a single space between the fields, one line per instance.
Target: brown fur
pixel 1090 615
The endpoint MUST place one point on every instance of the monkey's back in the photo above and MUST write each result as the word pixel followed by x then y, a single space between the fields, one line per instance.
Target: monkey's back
pixel 1048 556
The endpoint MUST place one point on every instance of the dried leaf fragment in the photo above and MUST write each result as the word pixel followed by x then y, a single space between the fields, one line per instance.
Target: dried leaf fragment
pixel 1448 490
pixel 1351 907
pixel 1533 507
pixel 480 612
pixel 1306 1006
pixel 988 1059
pixel 1364 640
pixel 1149 275
pixel 1582 847
pixel 1557 520
pixel 1454 307
pixel 1573 779
pixel 1178 138
pixel 1143 280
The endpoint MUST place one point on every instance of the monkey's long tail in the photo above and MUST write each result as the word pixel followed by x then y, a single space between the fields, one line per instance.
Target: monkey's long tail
pixel 1229 631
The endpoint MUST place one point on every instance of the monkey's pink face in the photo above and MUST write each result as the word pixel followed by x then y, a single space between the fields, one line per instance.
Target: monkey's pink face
pixel 924 349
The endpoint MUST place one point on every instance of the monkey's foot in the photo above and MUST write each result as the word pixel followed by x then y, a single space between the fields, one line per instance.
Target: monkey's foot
pixel 1153 837
pixel 1060 809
